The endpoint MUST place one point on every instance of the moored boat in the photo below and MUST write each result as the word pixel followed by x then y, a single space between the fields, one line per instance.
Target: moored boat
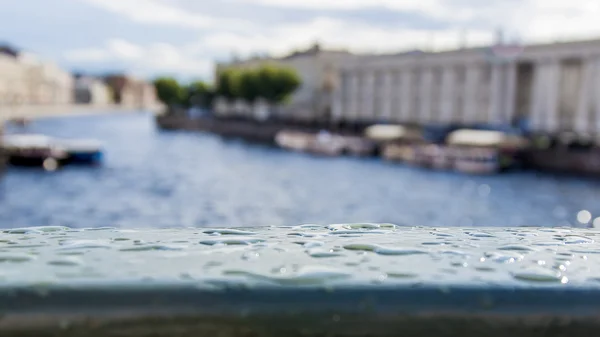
pixel 483 151
pixel 81 150
pixel 48 152
pixel 324 143
pixel 477 160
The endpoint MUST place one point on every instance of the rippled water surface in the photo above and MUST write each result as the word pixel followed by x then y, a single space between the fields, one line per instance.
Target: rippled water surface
pixel 153 178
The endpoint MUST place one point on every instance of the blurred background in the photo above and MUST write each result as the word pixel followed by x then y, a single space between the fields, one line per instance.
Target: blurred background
pixel 177 113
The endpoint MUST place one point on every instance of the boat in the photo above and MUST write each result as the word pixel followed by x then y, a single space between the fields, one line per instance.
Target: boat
pixel 441 157
pixel 485 151
pixel 477 160
pixel 322 143
pixel 390 140
pixel 81 150
pixel 358 146
pixel 49 152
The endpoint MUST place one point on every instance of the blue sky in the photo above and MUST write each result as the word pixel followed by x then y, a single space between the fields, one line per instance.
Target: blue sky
pixel 185 37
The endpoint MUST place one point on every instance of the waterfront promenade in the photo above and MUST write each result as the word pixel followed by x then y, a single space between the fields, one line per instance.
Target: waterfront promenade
pixel 34 111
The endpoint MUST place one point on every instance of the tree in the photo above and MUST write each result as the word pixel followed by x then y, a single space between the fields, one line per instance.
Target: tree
pixel 273 83
pixel 199 94
pixel 169 91
pixel 267 82
pixel 247 85
pixel 286 82
pixel 226 83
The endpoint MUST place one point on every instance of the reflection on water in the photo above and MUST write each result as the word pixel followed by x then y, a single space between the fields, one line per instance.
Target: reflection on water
pixel 152 178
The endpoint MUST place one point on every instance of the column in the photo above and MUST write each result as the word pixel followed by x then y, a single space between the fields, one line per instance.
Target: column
pixel 425 95
pixel 385 96
pixel 366 108
pixel 596 90
pixel 552 87
pixel 447 93
pixel 536 114
pixel 510 94
pixel 495 116
pixel 544 109
pixel 406 95
pixel 582 115
pixel 340 95
pixel 354 98
pixel 473 77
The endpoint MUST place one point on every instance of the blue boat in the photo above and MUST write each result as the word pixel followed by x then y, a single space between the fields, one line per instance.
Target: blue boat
pixel 49 152
pixel 81 151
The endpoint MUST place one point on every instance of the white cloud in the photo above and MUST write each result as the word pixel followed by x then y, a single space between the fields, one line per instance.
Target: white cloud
pixel 125 50
pixel 339 33
pixel 87 55
pixel 533 20
pixel 432 8
pixel 561 20
pixel 351 4
pixel 150 60
pixel 164 12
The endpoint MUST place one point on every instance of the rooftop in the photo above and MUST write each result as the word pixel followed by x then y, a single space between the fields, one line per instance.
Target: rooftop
pixel 8 49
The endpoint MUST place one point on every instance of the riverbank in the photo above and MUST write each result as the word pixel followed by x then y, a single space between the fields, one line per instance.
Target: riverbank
pixel 238 128
pixel 23 113
pixel 60 110
pixel 558 159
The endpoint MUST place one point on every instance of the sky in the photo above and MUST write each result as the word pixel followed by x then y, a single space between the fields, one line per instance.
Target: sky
pixel 184 38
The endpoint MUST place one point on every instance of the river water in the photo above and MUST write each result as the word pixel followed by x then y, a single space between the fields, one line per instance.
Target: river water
pixel 154 178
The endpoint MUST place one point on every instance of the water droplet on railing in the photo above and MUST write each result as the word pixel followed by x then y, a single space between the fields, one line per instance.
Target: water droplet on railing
pixel 540 275
pixel 230 231
pixel 322 253
pixel 517 248
pixel 85 244
pixel 143 248
pixel 382 250
pixel 66 262
pixel 230 241
pixel 16 258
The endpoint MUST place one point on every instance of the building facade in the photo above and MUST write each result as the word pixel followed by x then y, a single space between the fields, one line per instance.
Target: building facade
pixel 548 88
pixel 24 79
pixel 89 90
pixel 132 92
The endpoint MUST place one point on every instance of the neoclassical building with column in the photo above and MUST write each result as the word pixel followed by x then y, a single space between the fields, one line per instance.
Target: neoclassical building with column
pixel 549 88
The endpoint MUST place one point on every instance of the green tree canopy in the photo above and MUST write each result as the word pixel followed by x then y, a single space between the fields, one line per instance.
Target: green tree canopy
pixel 247 85
pixel 226 83
pixel 273 83
pixel 198 93
pixel 169 91
pixel 284 83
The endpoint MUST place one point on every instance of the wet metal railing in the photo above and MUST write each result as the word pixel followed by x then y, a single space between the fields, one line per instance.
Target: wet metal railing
pixel 339 280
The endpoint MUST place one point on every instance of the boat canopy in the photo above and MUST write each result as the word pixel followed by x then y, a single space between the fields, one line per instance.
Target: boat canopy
pixel 382 132
pixel 26 140
pixel 485 138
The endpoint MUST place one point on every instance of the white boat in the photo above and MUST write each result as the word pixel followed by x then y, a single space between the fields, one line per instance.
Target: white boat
pixel 477 161
pixel 35 149
pixel 483 151
pixel 322 143
pixel 26 140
